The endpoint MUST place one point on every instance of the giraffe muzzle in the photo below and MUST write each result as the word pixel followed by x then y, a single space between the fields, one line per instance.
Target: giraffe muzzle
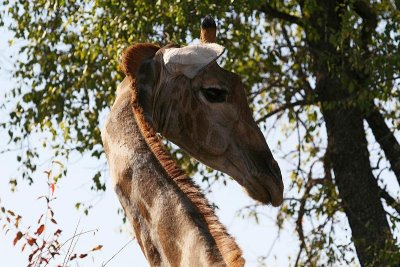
pixel 266 190
pixel 266 183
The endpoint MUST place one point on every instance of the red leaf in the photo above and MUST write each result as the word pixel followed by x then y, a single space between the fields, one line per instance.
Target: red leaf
pixel 23 247
pixel 53 221
pixel 11 212
pixel 72 257
pixel 82 256
pixel 40 230
pixel 17 220
pixel 58 232
pixel 31 241
pixel 33 254
pixel 52 187
pixel 97 248
pixel 17 237
pixel 43 245
pixel 53 254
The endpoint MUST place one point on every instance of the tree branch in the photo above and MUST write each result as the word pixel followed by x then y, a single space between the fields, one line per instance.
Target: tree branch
pixel 302 75
pixel 276 14
pixel 370 20
pixel 390 200
pixel 299 222
pixel 386 139
pixel 283 108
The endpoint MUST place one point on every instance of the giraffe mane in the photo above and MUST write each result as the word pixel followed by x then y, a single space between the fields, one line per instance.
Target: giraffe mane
pixel 226 244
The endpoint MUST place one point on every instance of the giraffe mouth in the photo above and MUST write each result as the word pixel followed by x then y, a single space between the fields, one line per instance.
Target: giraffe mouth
pixel 261 178
pixel 264 182
pixel 266 189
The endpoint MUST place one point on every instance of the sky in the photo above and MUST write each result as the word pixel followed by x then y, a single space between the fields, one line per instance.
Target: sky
pixel 255 239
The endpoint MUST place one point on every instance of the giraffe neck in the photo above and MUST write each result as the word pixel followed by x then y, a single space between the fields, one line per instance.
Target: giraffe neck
pixel 173 223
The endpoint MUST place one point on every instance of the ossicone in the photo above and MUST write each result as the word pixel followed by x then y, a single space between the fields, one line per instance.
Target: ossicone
pixel 208 31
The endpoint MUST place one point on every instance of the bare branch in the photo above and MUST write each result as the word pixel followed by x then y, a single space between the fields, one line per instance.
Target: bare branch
pixel 390 200
pixel 274 13
pixel 282 108
pixel 113 256
pixel 302 75
pixel 299 222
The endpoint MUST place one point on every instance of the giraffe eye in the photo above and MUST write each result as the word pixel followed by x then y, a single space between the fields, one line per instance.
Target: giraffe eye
pixel 214 95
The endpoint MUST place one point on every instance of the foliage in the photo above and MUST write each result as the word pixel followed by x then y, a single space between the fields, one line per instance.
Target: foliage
pixel 44 237
pixel 70 69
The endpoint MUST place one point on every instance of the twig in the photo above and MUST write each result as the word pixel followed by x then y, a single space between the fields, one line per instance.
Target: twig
pixel 70 245
pixel 302 75
pixel 104 264
pixel 395 204
pixel 71 238
pixel 282 108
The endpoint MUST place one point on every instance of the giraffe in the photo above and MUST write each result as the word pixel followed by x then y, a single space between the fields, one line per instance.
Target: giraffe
pixel 182 94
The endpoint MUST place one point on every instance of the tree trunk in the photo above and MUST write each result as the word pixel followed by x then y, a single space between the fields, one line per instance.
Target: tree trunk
pixel 356 184
pixel 358 189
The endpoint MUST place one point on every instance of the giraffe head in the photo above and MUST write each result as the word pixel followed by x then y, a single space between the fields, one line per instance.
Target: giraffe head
pixel 202 108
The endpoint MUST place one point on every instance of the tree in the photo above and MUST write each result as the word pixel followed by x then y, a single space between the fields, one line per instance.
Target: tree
pixel 327 72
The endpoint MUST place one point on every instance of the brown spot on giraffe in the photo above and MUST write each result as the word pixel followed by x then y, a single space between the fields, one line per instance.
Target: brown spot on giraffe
pixel 136 229
pixel 170 246
pixel 143 211
pixel 153 255
pixel 125 181
pixel 143 186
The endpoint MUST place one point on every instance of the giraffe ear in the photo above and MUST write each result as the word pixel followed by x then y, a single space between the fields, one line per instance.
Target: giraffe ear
pixel 135 55
pixel 190 60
